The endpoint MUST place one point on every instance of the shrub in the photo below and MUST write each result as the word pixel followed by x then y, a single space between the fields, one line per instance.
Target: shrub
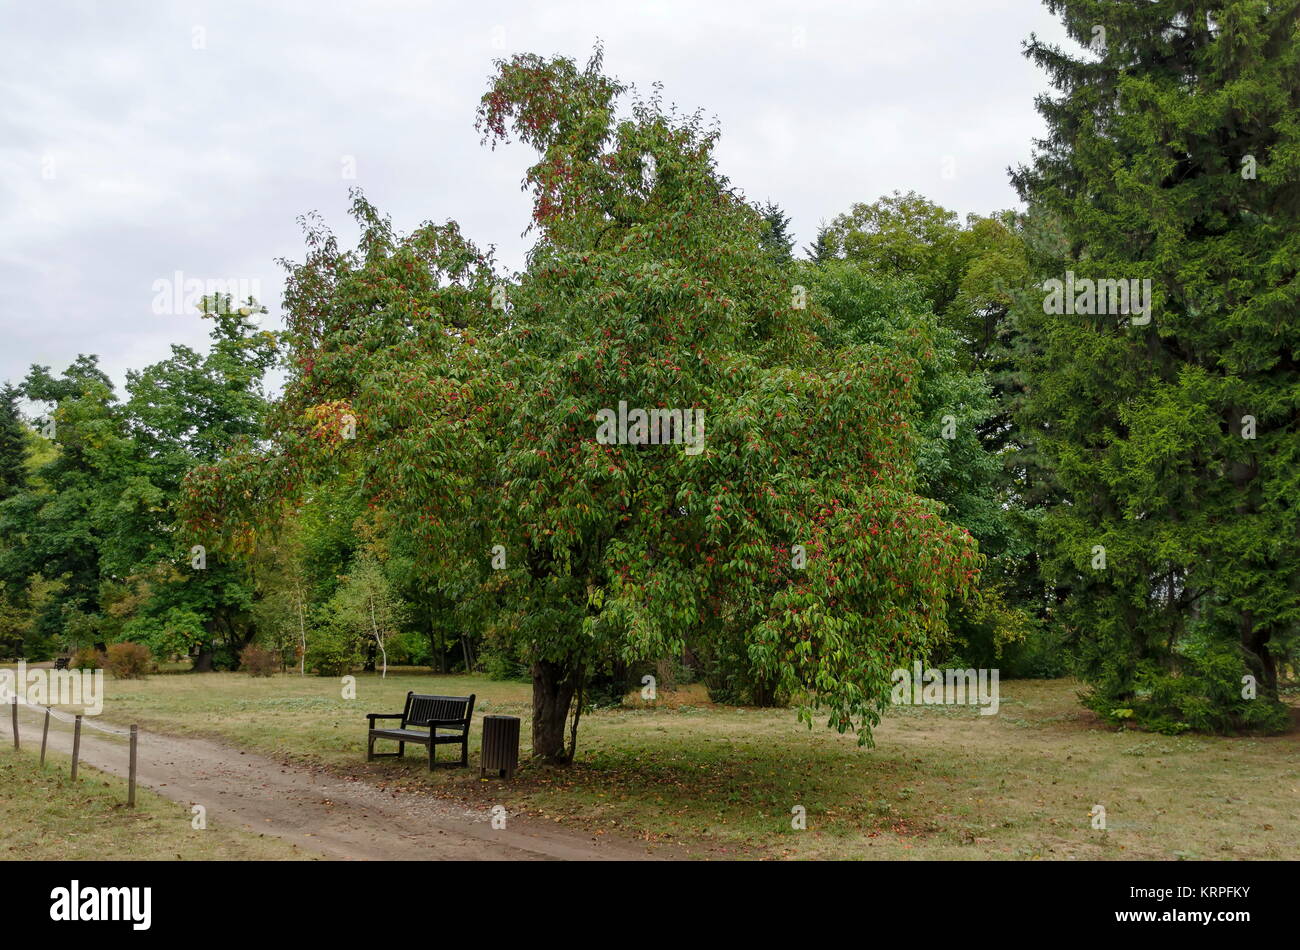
pixel 1202 694
pixel 333 651
pixel 224 659
pixel 87 658
pixel 128 661
pixel 611 681
pixel 731 676
pixel 502 666
pixel 255 661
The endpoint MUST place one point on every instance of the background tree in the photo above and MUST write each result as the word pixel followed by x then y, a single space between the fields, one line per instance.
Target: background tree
pixel 54 527
pixel 17 609
pixel 182 411
pixel 366 606
pixel 951 412
pixel 776 238
pixel 91 552
pixel 284 601
pixel 822 250
pixel 905 236
pixel 13 443
pixel 916 273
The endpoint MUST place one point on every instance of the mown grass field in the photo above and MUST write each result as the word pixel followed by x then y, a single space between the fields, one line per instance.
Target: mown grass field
pixel 719 781
pixel 46 816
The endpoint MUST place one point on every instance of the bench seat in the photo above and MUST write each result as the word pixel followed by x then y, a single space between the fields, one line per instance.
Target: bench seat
pixel 446 721
pixel 412 735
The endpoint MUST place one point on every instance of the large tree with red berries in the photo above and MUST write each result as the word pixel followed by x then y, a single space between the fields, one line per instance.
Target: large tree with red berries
pixel 467 407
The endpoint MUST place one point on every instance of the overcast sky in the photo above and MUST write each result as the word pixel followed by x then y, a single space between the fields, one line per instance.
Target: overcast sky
pixel 142 139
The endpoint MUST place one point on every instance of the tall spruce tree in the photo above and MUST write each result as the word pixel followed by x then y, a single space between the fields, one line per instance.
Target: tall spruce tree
pixel 822 250
pixel 776 238
pixel 1173 154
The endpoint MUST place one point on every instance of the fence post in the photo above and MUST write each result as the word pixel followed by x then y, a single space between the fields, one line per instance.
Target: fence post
pixel 45 734
pixel 130 789
pixel 14 705
pixel 76 746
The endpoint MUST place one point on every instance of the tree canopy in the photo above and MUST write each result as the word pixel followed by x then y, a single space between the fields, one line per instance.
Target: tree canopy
pixel 476 427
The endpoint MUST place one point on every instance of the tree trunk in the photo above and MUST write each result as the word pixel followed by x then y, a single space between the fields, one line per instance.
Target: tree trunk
pixel 553 689
pixel 436 647
pixel 1258 656
pixel 374 628
pixel 1252 637
pixel 302 632
pixel 763 690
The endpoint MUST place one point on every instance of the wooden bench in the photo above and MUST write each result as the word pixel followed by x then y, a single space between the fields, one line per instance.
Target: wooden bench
pixel 452 713
pixel 62 662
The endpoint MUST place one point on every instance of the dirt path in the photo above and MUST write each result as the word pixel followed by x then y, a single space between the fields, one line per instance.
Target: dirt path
pixel 346 819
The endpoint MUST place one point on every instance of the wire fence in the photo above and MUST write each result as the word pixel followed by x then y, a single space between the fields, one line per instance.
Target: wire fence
pixel 131 733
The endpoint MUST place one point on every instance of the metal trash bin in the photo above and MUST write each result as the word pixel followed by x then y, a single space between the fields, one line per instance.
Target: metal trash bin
pixel 500 753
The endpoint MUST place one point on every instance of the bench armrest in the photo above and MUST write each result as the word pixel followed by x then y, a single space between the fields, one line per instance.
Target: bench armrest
pixel 373 716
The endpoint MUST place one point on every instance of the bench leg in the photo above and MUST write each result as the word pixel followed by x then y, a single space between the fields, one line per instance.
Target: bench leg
pixel 372 754
pixel 433 749
pixel 464 753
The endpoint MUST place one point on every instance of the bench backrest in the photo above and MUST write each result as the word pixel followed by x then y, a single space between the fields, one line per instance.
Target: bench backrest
pixel 420 708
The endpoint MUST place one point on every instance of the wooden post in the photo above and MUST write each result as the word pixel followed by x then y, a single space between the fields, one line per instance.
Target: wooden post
pixel 14 705
pixel 76 746
pixel 130 789
pixel 45 735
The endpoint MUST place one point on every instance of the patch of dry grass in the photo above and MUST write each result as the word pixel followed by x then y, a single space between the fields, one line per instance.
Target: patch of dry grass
pixel 46 816
pixel 941 782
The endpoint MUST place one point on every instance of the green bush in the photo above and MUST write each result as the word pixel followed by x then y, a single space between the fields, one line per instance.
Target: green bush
pixel 224 659
pixel 730 675
pixel 990 632
pixel 1044 653
pixel 1202 693
pixel 610 682
pixel 500 665
pixel 332 651
pixel 410 648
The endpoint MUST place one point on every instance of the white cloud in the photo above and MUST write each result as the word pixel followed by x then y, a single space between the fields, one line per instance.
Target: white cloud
pixel 168 157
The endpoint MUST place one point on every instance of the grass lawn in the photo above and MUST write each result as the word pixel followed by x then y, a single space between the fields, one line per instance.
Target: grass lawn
pixel 941 782
pixel 45 816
